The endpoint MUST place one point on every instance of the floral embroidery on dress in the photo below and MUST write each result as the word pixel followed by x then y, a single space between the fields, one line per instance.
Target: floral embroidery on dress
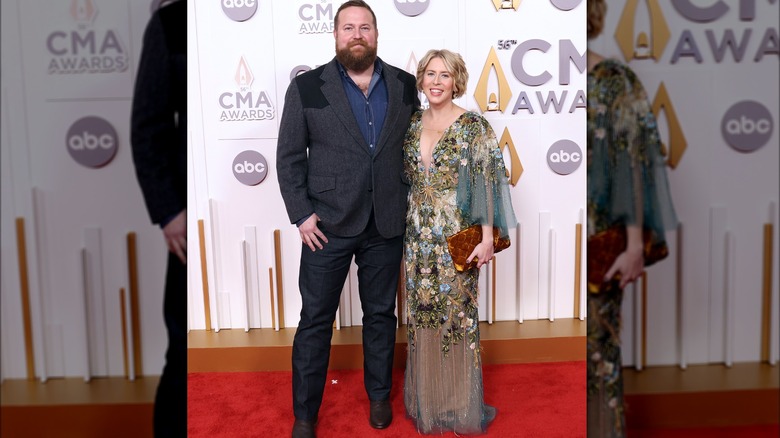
pixel 465 183
pixel 439 297
pixel 625 164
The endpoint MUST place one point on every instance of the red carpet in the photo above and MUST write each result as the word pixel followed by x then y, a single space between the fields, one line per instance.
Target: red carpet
pixel 533 400
pixel 767 431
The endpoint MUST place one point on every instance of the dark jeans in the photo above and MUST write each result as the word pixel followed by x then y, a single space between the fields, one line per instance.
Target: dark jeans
pixel 322 276
pixel 170 403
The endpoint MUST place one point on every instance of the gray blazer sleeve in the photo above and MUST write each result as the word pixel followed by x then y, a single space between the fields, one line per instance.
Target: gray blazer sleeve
pixel 292 157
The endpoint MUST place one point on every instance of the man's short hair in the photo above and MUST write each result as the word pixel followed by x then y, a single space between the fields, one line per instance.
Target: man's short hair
pixel 353 3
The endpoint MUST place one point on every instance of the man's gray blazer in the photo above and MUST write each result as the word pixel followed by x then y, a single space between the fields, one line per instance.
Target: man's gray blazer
pixel 323 163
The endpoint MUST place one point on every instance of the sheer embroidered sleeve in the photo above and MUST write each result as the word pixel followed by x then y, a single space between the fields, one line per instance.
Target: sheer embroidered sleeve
pixel 483 187
pixel 627 181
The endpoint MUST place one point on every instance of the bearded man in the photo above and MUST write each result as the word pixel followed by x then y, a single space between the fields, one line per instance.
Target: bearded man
pixel 340 170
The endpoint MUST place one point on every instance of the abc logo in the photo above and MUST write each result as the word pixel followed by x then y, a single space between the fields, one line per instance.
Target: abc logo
pixel 87 140
pixel 747 126
pixel 250 167
pixel 92 142
pixel 564 157
pixel 411 8
pixel 247 167
pixel 239 10
pixel 566 5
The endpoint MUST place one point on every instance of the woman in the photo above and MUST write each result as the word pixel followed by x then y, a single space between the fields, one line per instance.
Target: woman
pixel 458 179
pixel 627 187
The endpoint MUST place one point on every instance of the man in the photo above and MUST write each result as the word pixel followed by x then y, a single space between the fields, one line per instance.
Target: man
pixel 340 169
pixel 159 143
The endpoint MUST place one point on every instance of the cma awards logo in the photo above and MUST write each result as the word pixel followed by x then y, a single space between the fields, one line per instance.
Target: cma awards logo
pixel 250 167
pixel 299 69
pixel 316 18
pixel 652 42
pixel 564 5
pixel 244 104
pixel 662 105
pixel 239 10
pixel 83 48
pixel 506 4
pixel 411 68
pixel 494 92
pixel 92 142
pixel 515 169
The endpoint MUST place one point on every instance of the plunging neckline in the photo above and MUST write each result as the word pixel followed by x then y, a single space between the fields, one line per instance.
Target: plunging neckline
pixel 435 144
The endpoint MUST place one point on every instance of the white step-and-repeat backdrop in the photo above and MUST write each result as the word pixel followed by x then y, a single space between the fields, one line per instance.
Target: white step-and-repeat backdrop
pixel 67 73
pixel 69 188
pixel 73 212
pixel 710 69
pixel 527 76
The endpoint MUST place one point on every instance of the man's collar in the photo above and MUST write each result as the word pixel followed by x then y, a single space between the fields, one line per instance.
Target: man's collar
pixel 377 67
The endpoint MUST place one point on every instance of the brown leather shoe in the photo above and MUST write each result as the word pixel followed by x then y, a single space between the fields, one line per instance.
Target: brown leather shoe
pixel 303 429
pixel 381 414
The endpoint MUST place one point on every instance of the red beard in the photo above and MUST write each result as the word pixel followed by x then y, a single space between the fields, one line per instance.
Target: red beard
pixel 356 61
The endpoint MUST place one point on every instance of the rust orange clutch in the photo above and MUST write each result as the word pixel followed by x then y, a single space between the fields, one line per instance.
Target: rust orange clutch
pixel 462 243
pixel 604 247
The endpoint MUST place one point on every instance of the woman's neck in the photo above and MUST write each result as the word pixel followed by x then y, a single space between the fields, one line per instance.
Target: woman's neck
pixel 593 59
pixel 444 110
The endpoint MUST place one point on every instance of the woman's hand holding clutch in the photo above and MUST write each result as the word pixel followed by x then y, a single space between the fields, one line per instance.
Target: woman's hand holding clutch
pixel 630 263
pixel 483 252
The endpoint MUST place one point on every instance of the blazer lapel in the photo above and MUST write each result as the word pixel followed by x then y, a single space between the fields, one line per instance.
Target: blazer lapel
pixel 333 90
pixel 394 93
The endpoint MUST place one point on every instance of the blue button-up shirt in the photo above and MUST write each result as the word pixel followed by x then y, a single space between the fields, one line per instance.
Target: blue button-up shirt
pixel 369 111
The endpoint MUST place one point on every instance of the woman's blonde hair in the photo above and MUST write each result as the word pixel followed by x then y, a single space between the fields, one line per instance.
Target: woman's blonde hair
pixel 454 64
pixel 597 9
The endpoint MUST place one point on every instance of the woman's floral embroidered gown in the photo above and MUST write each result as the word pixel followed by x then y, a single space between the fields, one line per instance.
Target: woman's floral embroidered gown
pixel 466 183
pixel 627 185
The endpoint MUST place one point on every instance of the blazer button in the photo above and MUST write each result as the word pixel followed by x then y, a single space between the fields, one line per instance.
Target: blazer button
pixel 370 189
